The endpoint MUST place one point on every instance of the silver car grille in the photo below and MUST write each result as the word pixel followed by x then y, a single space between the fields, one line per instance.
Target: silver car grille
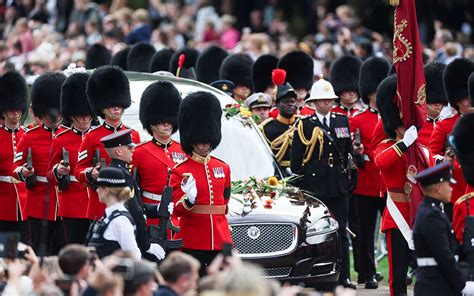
pixel 264 240
pixel 276 272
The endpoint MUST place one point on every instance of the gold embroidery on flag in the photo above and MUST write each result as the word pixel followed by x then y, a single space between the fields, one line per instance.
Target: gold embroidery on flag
pixel 421 95
pixel 402 48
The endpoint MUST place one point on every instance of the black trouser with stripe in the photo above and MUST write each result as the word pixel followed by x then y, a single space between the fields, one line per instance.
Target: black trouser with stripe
pixel 368 208
pixel 398 261
pixel 54 239
pixel 204 257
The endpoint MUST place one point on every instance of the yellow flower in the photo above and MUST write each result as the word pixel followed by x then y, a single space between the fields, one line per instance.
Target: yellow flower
pixel 245 112
pixel 273 181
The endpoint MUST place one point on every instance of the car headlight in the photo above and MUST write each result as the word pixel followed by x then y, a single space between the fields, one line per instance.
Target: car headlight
pixel 323 225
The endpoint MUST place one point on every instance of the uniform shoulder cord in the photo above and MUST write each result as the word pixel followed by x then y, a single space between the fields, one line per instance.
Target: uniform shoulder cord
pixel 466 198
pixel 282 142
pixel 316 136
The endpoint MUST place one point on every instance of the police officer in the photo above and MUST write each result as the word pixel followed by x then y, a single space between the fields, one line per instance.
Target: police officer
pixel 321 151
pixel 116 230
pixel 41 197
pixel 202 183
pixel 73 197
pixel 119 147
pixel 278 132
pixel 259 104
pixel 435 244
pixel 108 92
pixel 13 104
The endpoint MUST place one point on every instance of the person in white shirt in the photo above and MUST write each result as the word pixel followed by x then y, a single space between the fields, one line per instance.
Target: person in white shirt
pixel 116 230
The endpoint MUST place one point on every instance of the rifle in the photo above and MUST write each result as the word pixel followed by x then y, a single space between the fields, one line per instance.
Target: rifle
pixel 357 137
pixel 31 180
pixel 96 160
pixel 64 183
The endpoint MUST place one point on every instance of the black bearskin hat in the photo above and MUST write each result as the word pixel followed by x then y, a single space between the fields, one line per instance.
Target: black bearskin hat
pixel 191 56
pixel 262 72
pixel 455 78
pixel 434 84
pixel 161 60
pixel 139 57
pixel 388 109
pixel 238 69
pixel 372 72
pixel 46 94
pixel 299 67
pixel 108 87
pixel 97 55
pixel 471 88
pixel 199 120
pixel 160 103
pixel 209 62
pixel 120 58
pixel 73 96
pixel 13 93
pixel 344 74
pixel 463 143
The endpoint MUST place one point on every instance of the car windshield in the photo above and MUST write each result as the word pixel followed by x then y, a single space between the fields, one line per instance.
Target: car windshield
pixel 242 145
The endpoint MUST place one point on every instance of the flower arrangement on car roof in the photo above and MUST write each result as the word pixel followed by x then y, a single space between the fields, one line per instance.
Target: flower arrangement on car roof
pixel 246 116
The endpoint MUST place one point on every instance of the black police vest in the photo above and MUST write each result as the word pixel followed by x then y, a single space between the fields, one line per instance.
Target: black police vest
pixel 105 247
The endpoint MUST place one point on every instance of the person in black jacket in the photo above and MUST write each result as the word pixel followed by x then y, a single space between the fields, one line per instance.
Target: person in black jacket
pixel 119 147
pixel 435 244
pixel 322 152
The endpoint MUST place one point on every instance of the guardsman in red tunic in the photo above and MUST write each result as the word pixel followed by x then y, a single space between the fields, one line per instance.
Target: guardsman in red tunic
pixel 72 194
pixel 13 103
pixel 299 67
pixel 367 196
pixel 344 76
pixel 159 107
pixel 202 183
pixel 435 100
pixel 31 163
pixel 108 92
pixel 455 78
pixel 391 160
pixel 463 146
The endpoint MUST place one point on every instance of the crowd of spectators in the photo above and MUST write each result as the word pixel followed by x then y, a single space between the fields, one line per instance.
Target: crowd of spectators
pixel 42 35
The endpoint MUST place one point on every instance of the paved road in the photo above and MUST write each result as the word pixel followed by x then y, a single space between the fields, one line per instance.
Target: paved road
pixel 381 291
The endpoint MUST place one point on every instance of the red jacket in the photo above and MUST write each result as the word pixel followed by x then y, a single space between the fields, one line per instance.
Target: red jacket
pixel 391 161
pixel 369 175
pixel 72 201
pixel 460 213
pixel 39 140
pixel 437 146
pixel 424 134
pixel 340 109
pixel 152 160
pixel 12 195
pixel 307 111
pixel 203 231
pixel 87 150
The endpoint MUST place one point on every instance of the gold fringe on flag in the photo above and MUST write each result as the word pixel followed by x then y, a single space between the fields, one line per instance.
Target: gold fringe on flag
pixel 394 2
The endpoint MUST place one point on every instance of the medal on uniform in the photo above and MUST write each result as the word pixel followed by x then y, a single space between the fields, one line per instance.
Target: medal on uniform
pixel 178 157
pixel 218 172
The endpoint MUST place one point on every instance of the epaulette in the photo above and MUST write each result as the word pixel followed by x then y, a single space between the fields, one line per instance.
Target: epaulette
pixel 338 114
pixel 32 129
pixel 23 128
pixel 465 197
pixel 178 164
pixel 447 117
pixel 63 132
pixel 360 112
pixel 142 143
pixel 388 140
pixel 218 159
pixel 93 128
pixel 265 122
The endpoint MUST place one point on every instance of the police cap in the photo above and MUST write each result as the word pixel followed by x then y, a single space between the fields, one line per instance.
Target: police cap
pixel 436 174
pixel 111 177
pixel 121 138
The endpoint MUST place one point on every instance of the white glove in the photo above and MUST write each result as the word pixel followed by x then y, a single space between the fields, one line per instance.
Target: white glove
pixel 170 208
pixel 410 136
pixel 157 250
pixel 468 288
pixel 190 189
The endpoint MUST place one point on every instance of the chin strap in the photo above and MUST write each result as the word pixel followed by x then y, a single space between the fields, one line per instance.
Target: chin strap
pixel 112 116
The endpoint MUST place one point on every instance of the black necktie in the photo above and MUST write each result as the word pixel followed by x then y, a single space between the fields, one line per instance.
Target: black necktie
pixel 325 123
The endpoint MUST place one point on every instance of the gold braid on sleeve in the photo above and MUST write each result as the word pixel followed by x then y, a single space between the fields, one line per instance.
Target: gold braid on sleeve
pixel 316 136
pixel 281 143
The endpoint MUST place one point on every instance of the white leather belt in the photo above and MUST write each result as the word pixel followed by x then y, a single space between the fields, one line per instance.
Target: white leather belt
pixel 153 196
pixel 7 179
pixel 426 262
pixel 41 179
pixel 366 157
pixel 73 179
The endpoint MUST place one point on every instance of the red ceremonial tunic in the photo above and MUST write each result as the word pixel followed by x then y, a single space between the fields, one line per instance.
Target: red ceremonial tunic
pixel 39 140
pixel 460 213
pixel 437 146
pixel 204 225
pixel 85 163
pixel 378 136
pixel 12 193
pixel 340 109
pixel 369 175
pixel 391 161
pixel 307 111
pixel 72 201
pixel 152 160
pixel 424 134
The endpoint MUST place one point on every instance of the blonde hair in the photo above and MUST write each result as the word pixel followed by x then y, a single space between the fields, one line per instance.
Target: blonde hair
pixel 120 193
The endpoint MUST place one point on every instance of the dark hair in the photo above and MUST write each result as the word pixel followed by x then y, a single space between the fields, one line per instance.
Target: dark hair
pixel 142 274
pixel 72 258
pixel 176 265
